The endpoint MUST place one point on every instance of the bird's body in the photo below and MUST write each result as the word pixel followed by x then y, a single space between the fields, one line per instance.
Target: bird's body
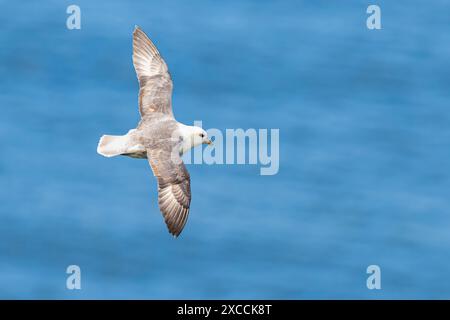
pixel 158 137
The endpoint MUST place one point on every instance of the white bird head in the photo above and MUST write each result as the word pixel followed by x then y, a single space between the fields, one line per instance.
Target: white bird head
pixel 199 136
pixel 193 136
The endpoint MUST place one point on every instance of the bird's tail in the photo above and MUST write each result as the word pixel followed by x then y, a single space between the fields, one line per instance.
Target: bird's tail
pixel 110 146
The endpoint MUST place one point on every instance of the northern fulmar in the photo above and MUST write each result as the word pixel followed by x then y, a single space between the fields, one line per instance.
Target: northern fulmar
pixel 158 137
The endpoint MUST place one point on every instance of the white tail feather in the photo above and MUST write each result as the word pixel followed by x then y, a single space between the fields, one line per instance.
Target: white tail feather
pixel 110 146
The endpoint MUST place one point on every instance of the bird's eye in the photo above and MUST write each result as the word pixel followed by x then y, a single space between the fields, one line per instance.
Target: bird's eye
pixel 202 135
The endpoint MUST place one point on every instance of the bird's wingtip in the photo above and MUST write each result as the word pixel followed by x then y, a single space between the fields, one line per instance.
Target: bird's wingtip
pixel 174 233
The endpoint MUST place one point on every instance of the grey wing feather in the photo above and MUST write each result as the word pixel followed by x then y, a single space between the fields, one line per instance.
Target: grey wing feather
pixel 155 83
pixel 174 187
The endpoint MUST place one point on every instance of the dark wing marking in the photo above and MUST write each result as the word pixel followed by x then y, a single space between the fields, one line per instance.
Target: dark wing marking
pixel 174 187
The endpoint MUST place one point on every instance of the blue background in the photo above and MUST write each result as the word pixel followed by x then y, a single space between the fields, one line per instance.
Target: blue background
pixel 364 150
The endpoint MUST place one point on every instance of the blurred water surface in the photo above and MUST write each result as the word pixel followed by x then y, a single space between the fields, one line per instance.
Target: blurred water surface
pixel 364 134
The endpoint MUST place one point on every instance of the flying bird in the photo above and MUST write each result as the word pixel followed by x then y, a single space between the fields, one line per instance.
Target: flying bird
pixel 158 137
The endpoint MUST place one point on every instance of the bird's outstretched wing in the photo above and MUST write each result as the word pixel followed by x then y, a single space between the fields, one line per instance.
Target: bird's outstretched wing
pixel 174 187
pixel 155 83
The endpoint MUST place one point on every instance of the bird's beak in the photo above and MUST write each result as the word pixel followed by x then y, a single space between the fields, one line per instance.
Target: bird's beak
pixel 209 142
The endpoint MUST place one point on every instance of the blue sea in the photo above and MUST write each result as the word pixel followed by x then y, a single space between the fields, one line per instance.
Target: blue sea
pixel 364 175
